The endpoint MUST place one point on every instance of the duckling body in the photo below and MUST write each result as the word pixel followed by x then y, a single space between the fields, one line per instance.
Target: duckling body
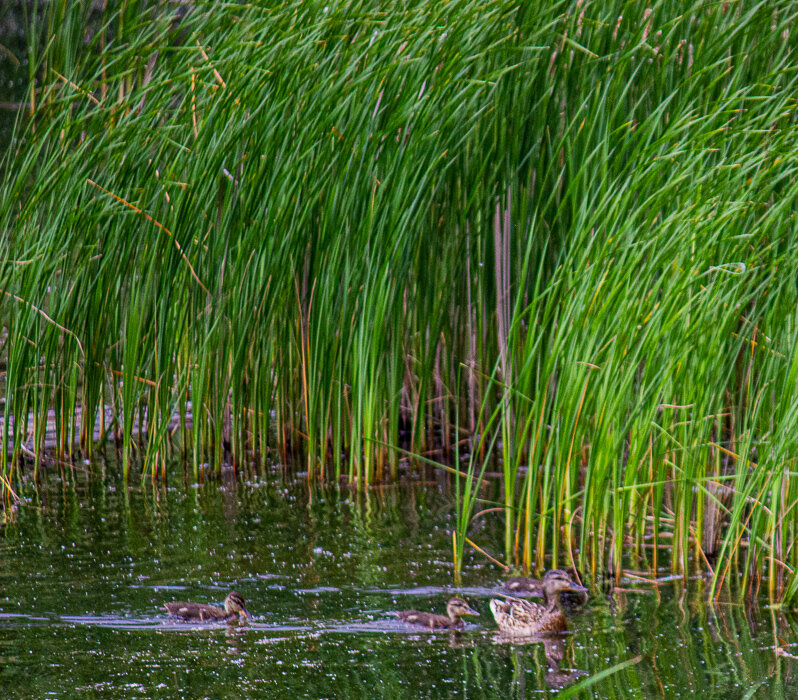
pixel 234 606
pixel 524 584
pixel 521 617
pixel 456 608
pixel 534 586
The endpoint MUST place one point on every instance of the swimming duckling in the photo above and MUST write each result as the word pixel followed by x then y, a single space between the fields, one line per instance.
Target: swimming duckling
pixel 234 606
pixel 521 617
pixel 534 586
pixel 524 584
pixel 455 609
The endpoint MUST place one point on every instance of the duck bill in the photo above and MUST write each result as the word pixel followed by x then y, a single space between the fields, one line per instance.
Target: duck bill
pixel 473 612
pixel 576 588
pixel 245 614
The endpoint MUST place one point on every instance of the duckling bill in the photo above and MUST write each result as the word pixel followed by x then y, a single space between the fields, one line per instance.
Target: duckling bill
pixel 234 606
pixel 522 617
pixel 456 608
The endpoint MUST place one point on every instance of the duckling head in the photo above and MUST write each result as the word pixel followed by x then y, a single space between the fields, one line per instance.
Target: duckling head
pixel 457 607
pixel 234 603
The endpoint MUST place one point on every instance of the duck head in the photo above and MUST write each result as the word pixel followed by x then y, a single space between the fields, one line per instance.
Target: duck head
pixel 558 581
pixel 234 603
pixel 457 607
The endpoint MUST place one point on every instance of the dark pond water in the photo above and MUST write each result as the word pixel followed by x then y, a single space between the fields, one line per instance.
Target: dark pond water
pixel 86 566
pixel 13 67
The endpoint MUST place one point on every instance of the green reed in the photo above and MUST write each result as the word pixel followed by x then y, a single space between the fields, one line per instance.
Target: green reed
pixel 559 235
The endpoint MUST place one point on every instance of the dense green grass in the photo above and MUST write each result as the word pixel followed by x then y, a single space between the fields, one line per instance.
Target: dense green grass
pixel 557 234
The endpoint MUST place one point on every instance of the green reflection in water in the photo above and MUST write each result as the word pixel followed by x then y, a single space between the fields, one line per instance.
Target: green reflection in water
pixel 86 566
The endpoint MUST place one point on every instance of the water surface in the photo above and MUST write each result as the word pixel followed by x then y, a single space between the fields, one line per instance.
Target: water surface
pixel 86 565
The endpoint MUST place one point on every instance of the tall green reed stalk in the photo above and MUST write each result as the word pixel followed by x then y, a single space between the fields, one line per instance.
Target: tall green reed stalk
pixel 556 234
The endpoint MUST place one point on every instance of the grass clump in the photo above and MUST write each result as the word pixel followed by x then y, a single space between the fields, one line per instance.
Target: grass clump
pixel 560 233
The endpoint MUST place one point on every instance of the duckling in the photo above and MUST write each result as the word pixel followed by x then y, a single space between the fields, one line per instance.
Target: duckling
pixel 524 584
pixel 234 606
pixel 534 586
pixel 521 617
pixel 455 609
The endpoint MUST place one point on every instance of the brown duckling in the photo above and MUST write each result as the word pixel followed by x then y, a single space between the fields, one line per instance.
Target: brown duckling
pixel 534 586
pixel 524 584
pixel 521 617
pixel 455 609
pixel 234 606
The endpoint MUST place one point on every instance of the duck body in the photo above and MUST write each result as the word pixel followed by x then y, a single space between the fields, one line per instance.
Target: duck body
pixel 456 608
pixel 522 617
pixel 524 584
pixel 519 617
pixel 431 620
pixel 569 599
pixel 234 606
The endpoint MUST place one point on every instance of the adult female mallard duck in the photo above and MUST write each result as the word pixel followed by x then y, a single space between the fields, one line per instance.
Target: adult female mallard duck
pixel 455 609
pixel 521 617
pixel 234 606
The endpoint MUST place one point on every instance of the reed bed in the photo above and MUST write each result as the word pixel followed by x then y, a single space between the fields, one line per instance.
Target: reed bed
pixel 555 237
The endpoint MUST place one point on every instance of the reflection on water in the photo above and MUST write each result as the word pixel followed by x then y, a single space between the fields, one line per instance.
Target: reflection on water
pixel 87 565
pixel 553 645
